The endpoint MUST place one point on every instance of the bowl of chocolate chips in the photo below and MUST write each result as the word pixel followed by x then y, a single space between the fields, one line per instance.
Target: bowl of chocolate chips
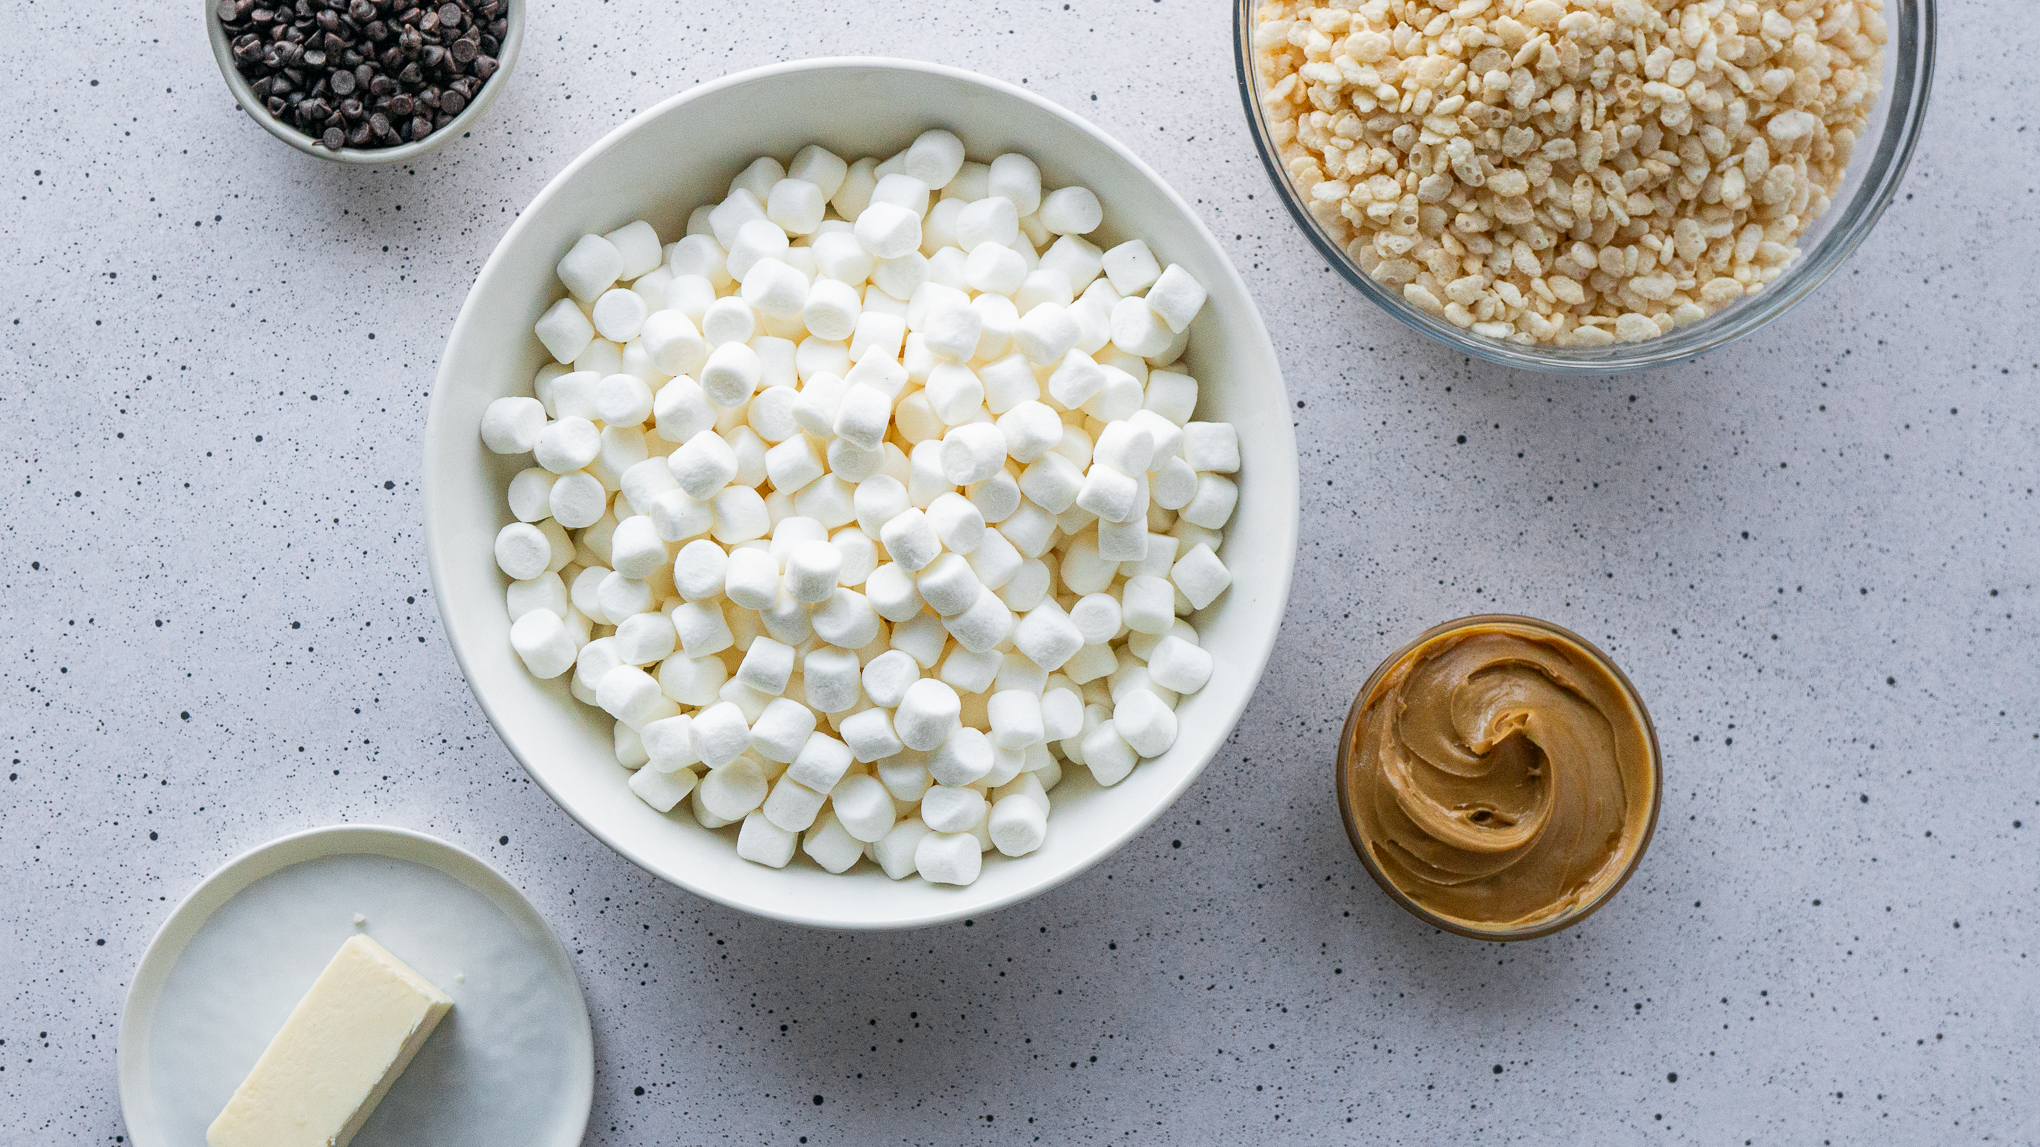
pixel 365 81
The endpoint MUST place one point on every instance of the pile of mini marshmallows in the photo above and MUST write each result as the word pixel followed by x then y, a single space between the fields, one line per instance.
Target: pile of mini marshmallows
pixel 862 514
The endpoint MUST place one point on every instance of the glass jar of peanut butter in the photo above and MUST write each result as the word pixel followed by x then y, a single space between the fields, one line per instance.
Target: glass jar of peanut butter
pixel 1499 777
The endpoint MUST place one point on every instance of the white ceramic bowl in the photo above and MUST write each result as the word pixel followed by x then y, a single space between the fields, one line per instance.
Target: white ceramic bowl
pixel 659 166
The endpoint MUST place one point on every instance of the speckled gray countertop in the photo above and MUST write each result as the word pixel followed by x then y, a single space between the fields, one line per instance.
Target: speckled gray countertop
pixel 1815 552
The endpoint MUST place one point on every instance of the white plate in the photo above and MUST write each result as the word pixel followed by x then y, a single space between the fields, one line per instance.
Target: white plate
pixel 513 1064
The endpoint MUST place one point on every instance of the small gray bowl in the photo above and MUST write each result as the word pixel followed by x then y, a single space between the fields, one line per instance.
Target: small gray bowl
pixel 506 59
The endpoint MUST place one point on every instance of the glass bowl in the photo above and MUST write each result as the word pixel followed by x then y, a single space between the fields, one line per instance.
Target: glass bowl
pixel 1348 765
pixel 1871 180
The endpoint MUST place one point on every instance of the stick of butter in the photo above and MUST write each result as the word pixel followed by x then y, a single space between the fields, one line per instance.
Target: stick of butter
pixel 337 1055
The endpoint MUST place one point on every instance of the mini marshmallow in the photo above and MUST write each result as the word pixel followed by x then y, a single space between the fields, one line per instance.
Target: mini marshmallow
pixel 727 219
pixel 599 358
pixel 1076 380
pixel 951 329
pixel 831 678
pixel 644 638
pixel 721 735
pixel 512 425
pixel 993 558
pixel 1160 556
pixel 963 758
pixel 888 230
pixel 796 206
pixel 877 330
pixel 1028 586
pixel 1145 722
pixel 846 619
pixel 949 809
pixel 740 515
pixel 1071 211
pixel 948 585
pixel 1018 824
pixel 1000 318
pixel 779 733
pixel 1178 665
pixel 1200 575
pixel 544 643
pixel 589 267
pixel 970 672
pixel 1015 177
pixel 1052 482
pixel 669 743
pixel 577 500
pixel 563 550
pixel 1137 329
pixel 786 620
pixel 531 494
pixel 1174 485
pixel 995 269
pixel 928 711
pixel 830 845
pixel 546 591
pixel 901 276
pixel 619 314
pixel 1016 720
pixel 522 551
pixel 993 219
pixel 948 858
pixel 878 500
pixel 1077 258
pixel 636 550
pixel 642 484
pixel 758 177
pixel 699 570
pixel 699 255
pixel 811 571
pixel 1131 267
pixel 776 289
pixel 567 444
pixel 791 805
pixel 1042 286
pixel 1176 297
pixel 985 624
pixel 681 410
pixel 1125 446
pixel 794 463
pixel 1148 604
pixel 1083 571
pixel 1047 636
pixel 891 592
pixel 894 851
pixel 870 735
pixel 972 453
pixel 828 500
pixel 840 257
pixel 632 696
pixel 831 309
pixel 1062 713
pixel 597 658
pixel 731 374
pixel 1110 494
pixel 911 540
pixel 759 840
pixel 921 636
pixel 1108 755
pixel 637 247
pixel 621 598
pixel 1096 616
pixel 1009 381
pixel 1123 542
pixel 852 464
pixel 1211 446
pixel 767 664
pixel 817 165
pixel 702 629
pixel 1045 334
pixel 661 790
pixel 692 681
pixel 862 416
pixel 1212 506
pixel 821 762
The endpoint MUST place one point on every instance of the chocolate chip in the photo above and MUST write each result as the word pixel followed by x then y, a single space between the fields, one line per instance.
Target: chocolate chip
pixel 342 83
pixel 464 51
pixel 451 102
pixel 333 138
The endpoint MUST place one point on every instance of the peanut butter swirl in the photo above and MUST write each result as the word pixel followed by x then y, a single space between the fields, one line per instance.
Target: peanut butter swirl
pixel 1500 775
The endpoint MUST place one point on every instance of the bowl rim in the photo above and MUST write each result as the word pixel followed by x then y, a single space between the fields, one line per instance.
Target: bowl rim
pixel 1437 919
pixel 1914 51
pixel 1281 467
pixel 506 59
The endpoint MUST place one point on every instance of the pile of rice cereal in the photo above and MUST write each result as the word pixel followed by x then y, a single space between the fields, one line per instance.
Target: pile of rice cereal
pixel 1570 172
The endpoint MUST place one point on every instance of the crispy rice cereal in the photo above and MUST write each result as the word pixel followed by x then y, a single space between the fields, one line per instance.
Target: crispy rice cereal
pixel 1570 172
